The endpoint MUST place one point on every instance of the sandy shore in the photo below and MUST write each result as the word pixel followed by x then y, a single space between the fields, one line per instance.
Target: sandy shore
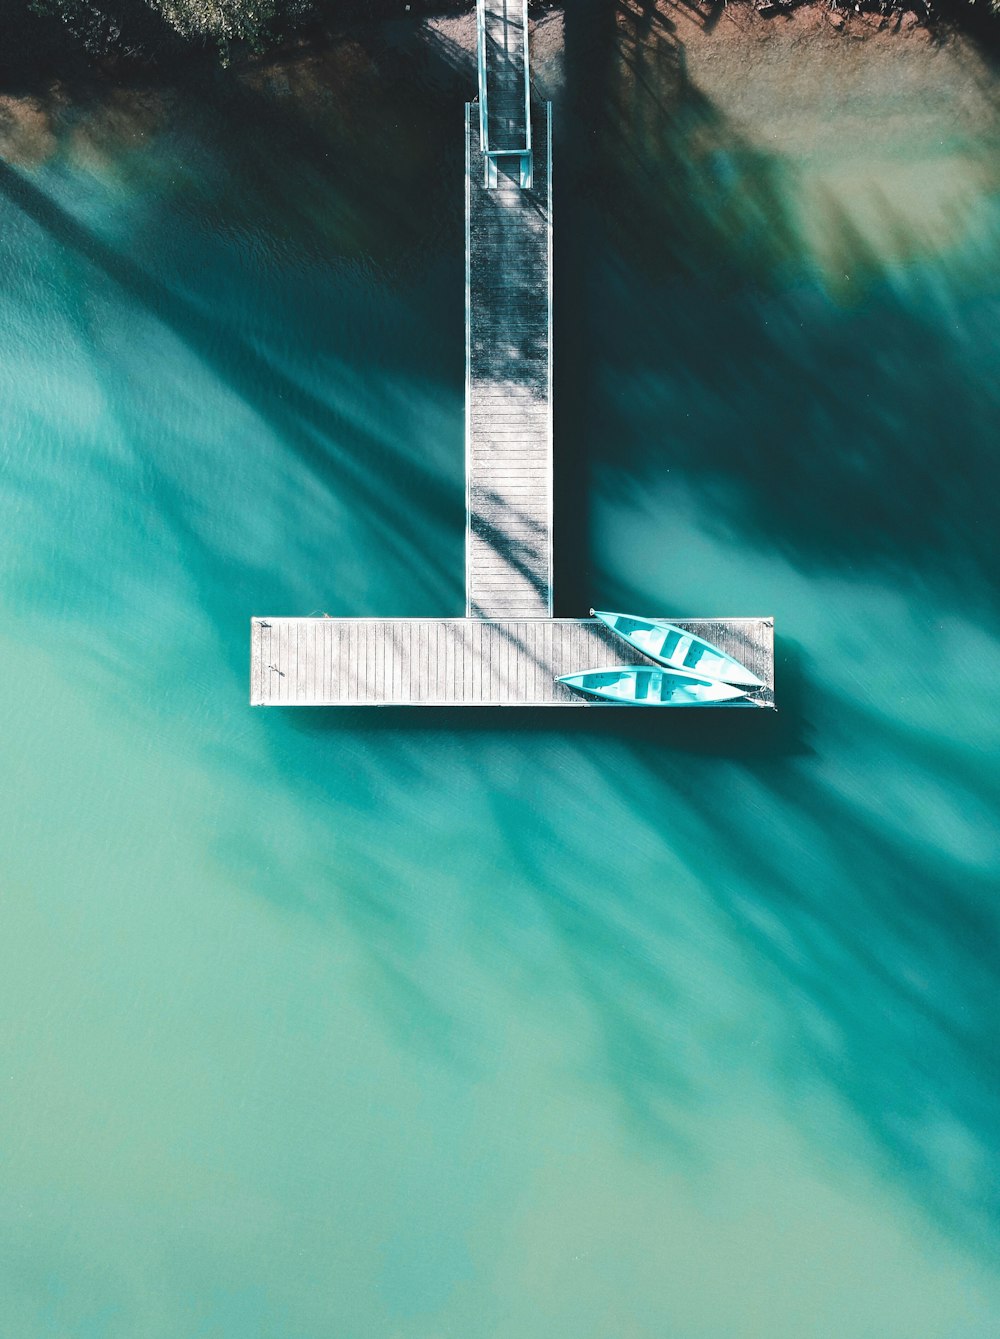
pixel 327 75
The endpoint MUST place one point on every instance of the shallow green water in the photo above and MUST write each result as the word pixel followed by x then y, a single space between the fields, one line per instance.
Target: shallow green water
pixel 347 1025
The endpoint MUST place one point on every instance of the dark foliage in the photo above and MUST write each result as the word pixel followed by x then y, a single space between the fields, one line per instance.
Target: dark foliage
pixel 52 36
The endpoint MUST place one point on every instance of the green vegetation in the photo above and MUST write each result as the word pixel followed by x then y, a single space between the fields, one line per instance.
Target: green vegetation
pixel 225 21
pixel 44 33
pixel 147 28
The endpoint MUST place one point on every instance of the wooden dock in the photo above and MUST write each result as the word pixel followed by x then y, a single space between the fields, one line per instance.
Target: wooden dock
pixel 504 87
pixel 509 650
pixel 508 406
pixel 460 662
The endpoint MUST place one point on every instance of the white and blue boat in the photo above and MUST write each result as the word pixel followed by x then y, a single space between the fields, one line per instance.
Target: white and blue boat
pixel 646 686
pixel 677 649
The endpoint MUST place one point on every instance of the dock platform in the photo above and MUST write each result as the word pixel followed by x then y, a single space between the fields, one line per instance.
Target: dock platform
pixel 509 650
pixel 461 662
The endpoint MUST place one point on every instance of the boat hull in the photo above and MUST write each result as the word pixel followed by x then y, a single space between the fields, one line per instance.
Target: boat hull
pixel 675 648
pixel 646 686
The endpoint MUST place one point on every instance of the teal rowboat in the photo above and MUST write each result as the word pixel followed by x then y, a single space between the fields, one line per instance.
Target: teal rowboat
pixel 645 686
pixel 674 647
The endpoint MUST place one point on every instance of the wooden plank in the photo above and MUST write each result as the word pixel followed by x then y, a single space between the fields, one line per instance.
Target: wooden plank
pixel 461 662
pixel 508 389
pixel 505 55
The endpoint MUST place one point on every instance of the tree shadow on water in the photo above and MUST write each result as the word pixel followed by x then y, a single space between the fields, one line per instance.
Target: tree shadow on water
pixel 609 829
pixel 618 865
pixel 335 449
pixel 844 423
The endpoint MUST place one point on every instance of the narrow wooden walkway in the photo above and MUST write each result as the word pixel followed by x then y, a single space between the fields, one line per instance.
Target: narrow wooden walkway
pixel 509 383
pixel 503 80
pixel 508 651
pixel 459 662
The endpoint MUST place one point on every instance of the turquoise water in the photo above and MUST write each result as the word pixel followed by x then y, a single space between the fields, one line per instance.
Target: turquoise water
pixel 333 1024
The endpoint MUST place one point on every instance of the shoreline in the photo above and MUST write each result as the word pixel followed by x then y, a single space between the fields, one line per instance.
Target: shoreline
pixel 58 54
pixel 329 73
